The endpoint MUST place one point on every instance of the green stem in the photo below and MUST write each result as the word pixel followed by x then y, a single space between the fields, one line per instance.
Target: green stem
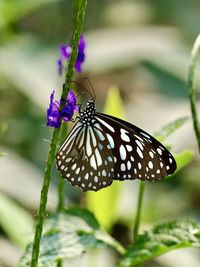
pixel 43 198
pixel 139 209
pixel 61 184
pixel 54 141
pixel 191 88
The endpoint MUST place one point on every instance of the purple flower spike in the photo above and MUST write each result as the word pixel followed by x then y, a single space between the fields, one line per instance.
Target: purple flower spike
pixel 70 107
pixel 81 54
pixel 65 53
pixel 53 114
pixel 60 66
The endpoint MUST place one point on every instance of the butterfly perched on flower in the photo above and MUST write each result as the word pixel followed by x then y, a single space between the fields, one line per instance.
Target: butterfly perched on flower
pixel 101 148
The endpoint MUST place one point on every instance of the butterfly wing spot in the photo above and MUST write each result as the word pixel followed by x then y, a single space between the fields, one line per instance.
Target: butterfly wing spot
pixel 107 125
pixel 110 140
pixel 139 145
pixel 122 152
pixel 123 167
pixel 86 176
pixel 150 164
pixel 151 154
pixel 129 148
pixel 159 151
pixel 124 135
pixel 139 152
pixel 128 165
pixel 139 166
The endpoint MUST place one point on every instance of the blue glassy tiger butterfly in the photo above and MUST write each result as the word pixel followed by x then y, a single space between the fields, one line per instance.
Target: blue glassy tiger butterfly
pixel 101 148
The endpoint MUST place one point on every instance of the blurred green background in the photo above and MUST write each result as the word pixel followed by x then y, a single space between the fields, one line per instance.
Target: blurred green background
pixel 142 48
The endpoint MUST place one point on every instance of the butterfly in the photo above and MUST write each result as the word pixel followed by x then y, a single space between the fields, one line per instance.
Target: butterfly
pixel 101 148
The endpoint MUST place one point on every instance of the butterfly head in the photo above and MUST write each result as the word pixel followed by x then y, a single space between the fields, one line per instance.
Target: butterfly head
pixel 88 113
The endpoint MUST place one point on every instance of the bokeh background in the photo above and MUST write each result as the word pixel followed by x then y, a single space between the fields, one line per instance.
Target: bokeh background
pixel 140 47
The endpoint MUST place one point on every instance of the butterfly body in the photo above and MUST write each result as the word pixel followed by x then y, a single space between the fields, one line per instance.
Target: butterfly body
pixel 101 148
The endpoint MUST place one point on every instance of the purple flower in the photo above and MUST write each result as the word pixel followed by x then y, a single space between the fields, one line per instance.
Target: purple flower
pixel 65 53
pixel 54 115
pixel 81 54
pixel 70 108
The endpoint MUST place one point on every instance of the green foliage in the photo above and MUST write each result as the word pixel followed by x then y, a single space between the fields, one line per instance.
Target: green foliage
pixel 171 127
pixel 183 159
pixel 104 202
pixel 161 239
pixel 11 11
pixel 69 234
pixel 15 221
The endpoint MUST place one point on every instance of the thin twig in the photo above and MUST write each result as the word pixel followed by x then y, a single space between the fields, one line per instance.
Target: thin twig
pixel 191 88
pixel 139 209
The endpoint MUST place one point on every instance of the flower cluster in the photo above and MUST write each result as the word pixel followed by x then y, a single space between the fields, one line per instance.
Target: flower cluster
pixel 65 53
pixel 55 116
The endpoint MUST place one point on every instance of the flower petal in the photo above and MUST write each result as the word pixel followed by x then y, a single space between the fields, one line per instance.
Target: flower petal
pixel 53 113
pixel 65 51
pixel 71 98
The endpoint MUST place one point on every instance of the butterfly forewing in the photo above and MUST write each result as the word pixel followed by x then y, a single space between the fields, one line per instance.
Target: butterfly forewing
pixel 85 159
pixel 137 154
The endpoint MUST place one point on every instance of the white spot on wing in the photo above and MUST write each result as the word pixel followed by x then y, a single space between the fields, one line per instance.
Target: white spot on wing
pixel 107 125
pixel 129 148
pixel 139 144
pixel 123 167
pixel 110 140
pixel 124 135
pixel 150 164
pixel 98 157
pixel 159 151
pixel 122 152
pixel 86 176
pixel 93 162
pixel 128 165
pixel 139 152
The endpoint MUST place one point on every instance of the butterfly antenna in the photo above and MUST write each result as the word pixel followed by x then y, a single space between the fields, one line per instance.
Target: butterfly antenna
pixel 81 86
pixel 94 95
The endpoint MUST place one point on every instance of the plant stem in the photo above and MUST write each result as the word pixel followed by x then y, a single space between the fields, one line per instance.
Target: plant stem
pixel 61 184
pixel 191 88
pixel 139 209
pixel 54 141
pixel 43 198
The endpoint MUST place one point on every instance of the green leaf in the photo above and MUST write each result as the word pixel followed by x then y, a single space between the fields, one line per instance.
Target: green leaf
pixel 2 154
pixel 183 159
pixel 161 239
pixel 170 128
pixel 3 128
pixel 15 221
pixel 69 234
pixel 104 202
pixel 11 11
